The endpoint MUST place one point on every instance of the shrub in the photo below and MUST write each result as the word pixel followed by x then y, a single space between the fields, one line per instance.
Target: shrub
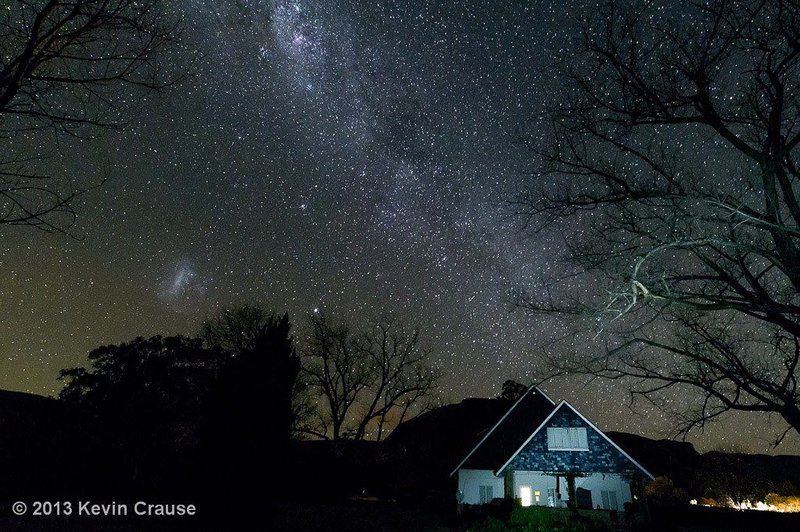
pixel 786 503
pixel 663 492
pixel 704 501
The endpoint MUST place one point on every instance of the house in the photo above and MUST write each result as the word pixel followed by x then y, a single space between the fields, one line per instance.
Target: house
pixel 544 454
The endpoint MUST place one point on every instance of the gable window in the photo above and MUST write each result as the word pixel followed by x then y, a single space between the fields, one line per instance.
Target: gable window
pixel 567 439
pixel 486 494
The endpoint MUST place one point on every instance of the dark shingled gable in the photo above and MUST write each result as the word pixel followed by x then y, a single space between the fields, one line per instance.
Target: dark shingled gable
pixel 603 456
pixel 526 415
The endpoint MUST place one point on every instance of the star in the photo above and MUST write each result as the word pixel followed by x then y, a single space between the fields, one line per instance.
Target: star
pixel 357 154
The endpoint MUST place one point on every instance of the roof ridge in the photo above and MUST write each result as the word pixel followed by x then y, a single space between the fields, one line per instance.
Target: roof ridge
pixel 533 388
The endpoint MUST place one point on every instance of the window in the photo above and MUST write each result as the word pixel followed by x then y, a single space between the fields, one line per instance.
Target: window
pixel 567 439
pixel 486 494
pixel 525 495
pixel 551 497
pixel 609 500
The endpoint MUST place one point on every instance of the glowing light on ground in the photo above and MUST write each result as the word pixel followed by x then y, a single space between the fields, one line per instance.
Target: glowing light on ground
pixel 772 503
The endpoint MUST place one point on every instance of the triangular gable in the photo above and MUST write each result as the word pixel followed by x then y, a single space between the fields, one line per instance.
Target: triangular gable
pixel 538 438
pixel 489 444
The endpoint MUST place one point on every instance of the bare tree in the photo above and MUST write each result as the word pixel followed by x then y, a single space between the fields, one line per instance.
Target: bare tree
pixel 401 379
pixel 367 381
pixel 337 371
pixel 62 65
pixel 672 146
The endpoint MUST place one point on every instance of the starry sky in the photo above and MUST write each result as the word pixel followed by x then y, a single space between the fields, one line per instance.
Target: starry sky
pixel 345 157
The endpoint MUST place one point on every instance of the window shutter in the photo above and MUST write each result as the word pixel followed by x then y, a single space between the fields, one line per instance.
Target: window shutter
pixel 563 438
pixel 612 496
pixel 580 440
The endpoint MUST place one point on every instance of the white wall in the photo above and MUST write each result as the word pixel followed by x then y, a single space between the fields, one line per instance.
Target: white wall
pixel 596 483
pixel 537 482
pixel 599 482
pixel 470 480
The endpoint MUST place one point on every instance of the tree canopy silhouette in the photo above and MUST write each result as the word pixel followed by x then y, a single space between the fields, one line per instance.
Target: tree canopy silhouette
pixel 261 368
pixel 63 65
pixel 215 412
pixel 367 381
pixel 153 387
pixel 512 390
pixel 250 407
pixel 675 146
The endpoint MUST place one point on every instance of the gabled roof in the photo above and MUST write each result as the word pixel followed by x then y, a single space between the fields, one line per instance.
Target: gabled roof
pixel 561 405
pixel 509 436
pixel 512 429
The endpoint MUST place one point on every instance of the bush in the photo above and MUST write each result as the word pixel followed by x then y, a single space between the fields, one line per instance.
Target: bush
pixel 663 492
pixel 705 501
pixel 786 503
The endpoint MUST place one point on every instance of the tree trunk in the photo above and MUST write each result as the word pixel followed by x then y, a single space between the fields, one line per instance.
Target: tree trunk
pixel 571 502
pixel 791 413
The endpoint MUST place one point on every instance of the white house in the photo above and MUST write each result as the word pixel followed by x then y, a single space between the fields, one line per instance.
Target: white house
pixel 543 453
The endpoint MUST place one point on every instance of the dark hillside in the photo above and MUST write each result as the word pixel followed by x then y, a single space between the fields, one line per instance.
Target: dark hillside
pixel 675 459
pixel 33 428
pixel 428 447
pixel 43 447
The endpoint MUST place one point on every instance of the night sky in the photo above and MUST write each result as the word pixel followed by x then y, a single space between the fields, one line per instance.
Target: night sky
pixel 339 157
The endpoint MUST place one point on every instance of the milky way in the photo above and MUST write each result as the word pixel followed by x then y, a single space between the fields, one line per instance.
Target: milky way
pixel 344 157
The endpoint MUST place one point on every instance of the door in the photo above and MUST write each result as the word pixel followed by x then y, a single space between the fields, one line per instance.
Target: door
pixel 583 498
pixel 486 494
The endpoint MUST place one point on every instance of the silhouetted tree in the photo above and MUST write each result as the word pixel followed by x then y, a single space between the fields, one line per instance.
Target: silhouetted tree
pixel 211 415
pixel 337 371
pixel 367 381
pixel 146 398
pixel 62 64
pixel 236 330
pixel 673 147
pixel 250 407
pixel 512 390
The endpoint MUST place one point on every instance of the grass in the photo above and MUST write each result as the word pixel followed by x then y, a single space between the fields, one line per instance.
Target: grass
pixel 540 518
